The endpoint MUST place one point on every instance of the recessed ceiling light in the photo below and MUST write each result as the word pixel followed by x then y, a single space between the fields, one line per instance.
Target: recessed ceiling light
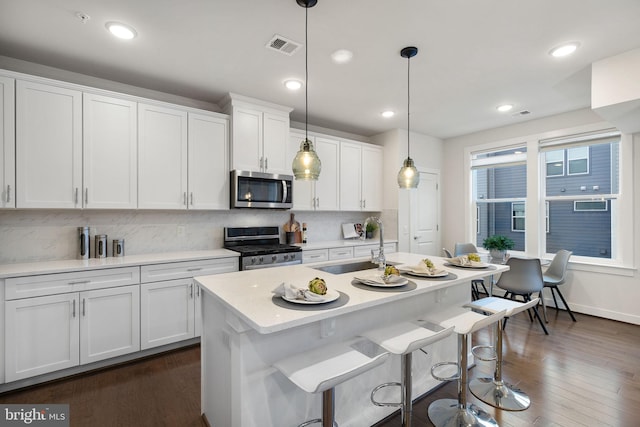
pixel 342 56
pixel 564 50
pixel 387 114
pixel 293 84
pixel 121 30
pixel 504 108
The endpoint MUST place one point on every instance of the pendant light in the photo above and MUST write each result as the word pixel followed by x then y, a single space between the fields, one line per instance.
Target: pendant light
pixel 306 165
pixel 408 177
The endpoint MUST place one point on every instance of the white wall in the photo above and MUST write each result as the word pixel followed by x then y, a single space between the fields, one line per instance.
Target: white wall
pixel 610 293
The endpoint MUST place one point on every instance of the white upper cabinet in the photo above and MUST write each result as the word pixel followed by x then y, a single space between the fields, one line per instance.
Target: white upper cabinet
pixel 322 194
pixel 360 176
pixel 259 135
pixel 48 146
pixel 109 152
pixel 208 162
pixel 162 157
pixel 7 143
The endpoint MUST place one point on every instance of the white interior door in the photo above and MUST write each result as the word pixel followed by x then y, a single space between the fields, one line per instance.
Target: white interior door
pixel 424 216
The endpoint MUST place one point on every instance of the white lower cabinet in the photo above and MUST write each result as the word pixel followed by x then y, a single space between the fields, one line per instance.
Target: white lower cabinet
pixel 49 333
pixel 167 312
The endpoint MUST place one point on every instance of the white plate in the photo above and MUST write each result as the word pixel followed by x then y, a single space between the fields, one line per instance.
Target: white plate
pixel 331 295
pixel 377 281
pixel 419 273
pixel 472 264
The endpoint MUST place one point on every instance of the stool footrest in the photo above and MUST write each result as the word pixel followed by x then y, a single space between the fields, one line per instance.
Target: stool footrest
pixel 435 367
pixel 380 387
pixel 316 421
pixel 477 352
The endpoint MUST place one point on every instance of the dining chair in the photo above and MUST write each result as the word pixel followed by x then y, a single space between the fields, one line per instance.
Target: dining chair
pixel 524 278
pixel 469 248
pixel 447 253
pixel 555 276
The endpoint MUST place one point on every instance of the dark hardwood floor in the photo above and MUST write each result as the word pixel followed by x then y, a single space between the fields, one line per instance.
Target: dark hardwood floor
pixel 583 374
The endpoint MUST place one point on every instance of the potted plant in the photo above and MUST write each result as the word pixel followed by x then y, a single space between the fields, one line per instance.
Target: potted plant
pixel 498 245
pixel 370 228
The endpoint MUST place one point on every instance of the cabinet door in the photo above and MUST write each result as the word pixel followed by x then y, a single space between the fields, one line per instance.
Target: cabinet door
pixel 7 143
pixel 42 335
pixel 109 323
pixel 371 177
pixel 275 144
pixel 110 153
pixel 166 312
pixel 208 164
pixel 350 175
pixel 328 185
pixel 303 191
pixel 162 161
pixel 247 139
pixel 48 146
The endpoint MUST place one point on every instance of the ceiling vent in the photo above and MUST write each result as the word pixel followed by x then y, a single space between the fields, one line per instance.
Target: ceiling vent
pixel 283 45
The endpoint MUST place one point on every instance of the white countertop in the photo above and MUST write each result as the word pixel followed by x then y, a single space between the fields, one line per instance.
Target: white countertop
pixel 46 267
pixel 247 294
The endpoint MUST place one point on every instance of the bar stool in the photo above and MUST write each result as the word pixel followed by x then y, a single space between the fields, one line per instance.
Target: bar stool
pixel 494 391
pixel 321 369
pixel 403 339
pixel 452 412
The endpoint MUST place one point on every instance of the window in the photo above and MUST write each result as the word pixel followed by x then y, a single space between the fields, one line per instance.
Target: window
pixel 517 216
pixel 578 160
pixel 578 215
pixel 499 184
pixel 555 163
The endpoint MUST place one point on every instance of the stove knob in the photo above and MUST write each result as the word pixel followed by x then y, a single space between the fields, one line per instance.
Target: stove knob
pixel 261 259
pixel 274 258
pixel 286 256
pixel 253 260
pixel 293 256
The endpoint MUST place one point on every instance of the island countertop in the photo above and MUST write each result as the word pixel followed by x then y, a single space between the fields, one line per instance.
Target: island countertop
pixel 248 294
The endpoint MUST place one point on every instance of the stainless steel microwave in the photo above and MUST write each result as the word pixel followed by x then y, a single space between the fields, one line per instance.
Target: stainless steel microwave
pixel 260 190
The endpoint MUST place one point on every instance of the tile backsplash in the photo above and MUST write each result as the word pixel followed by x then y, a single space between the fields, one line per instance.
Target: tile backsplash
pixel 45 235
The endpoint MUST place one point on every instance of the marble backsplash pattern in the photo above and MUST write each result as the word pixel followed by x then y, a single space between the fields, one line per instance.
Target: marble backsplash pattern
pixel 45 235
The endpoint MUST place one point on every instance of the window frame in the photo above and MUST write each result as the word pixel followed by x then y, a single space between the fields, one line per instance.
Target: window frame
pixel 514 217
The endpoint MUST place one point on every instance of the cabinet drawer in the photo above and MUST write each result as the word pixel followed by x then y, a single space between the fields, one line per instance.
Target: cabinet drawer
pixel 187 269
pixel 315 255
pixel 365 250
pixel 340 253
pixel 51 284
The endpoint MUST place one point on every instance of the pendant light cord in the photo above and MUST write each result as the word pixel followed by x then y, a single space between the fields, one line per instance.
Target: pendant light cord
pixel 306 74
pixel 408 102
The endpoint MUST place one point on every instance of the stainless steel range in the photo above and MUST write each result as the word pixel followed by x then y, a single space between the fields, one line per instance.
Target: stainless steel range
pixel 260 247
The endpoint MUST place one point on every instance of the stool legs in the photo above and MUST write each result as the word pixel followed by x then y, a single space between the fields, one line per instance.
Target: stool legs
pixel 455 413
pixel 328 411
pixel 406 400
pixel 494 391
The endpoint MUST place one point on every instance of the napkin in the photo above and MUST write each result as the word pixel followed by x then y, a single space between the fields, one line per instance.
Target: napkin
pixel 290 291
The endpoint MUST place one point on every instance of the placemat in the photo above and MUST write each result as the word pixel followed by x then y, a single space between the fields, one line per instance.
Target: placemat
pixel 342 300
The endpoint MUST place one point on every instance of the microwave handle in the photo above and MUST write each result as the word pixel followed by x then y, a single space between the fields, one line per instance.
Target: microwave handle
pixel 284 191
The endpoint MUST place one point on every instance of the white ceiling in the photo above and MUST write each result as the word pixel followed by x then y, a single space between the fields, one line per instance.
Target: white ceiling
pixel 473 54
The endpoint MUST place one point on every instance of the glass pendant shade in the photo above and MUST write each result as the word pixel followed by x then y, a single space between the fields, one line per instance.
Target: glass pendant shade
pixel 306 165
pixel 408 177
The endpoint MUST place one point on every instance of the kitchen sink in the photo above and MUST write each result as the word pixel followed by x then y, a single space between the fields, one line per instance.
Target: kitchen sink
pixel 348 268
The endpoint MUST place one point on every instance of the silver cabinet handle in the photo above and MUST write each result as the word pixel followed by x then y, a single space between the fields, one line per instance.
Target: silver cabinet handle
pixel 73 314
pixel 191 196
pixel 76 196
pixel 80 282
pixel 317 202
pixel 191 290
pixel 84 306
pixel 364 203
pixel 86 195
pixel 8 193
pixel 266 164
pixel 184 198
pixel 262 164
pixel 198 291
pixel 194 269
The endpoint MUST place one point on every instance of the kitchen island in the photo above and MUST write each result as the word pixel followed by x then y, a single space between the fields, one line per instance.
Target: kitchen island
pixel 246 329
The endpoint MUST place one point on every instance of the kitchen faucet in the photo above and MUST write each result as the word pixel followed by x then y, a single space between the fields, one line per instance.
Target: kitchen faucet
pixel 379 259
